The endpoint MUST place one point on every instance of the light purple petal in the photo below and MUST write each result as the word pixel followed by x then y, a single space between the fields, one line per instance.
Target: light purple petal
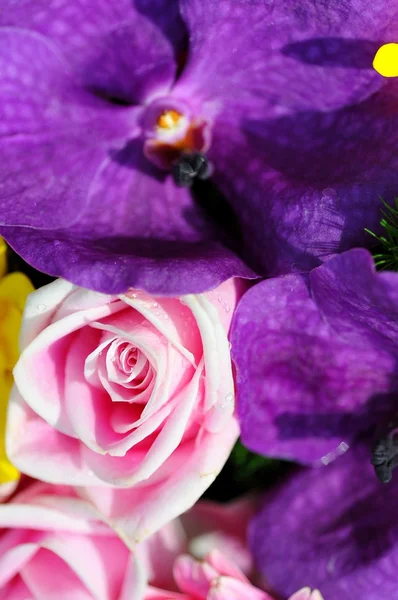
pixel 316 358
pixel 46 163
pixel 113 48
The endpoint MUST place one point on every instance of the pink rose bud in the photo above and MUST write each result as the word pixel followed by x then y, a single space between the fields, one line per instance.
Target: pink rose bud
pixel 216 578
pixel 131 393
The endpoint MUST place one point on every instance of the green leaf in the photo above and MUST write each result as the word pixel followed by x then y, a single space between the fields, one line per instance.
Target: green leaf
pixel 251 469
pixel 385 253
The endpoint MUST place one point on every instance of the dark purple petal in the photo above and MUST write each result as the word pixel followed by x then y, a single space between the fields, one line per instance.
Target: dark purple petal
pixel 248 46
pixel 114 48
pixel 113 265
pixel 53 135
pixel 165 14
pixel 333 528
pixel 306 147
pixel 316 358
pixel 360 305
pixel 73 167
pixel 136 229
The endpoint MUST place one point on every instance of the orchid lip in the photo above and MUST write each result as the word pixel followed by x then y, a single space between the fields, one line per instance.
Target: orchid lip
pixel 385 454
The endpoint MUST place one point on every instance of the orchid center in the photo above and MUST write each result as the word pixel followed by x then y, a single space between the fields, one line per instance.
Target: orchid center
pixel 175 134
pixel 169 119
pixel 386 60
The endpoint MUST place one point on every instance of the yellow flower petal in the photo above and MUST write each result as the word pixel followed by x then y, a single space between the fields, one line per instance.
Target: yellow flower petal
pixel 3 257
pixel 386 60
pixel 10 325
pixel 7 471
pixel 16 287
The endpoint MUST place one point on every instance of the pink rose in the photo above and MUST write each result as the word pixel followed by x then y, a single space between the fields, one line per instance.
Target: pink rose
pixel 215 578
pixel 127 391
pixel 198 556
pixel 53 544
pixel 56 547
pixel 206 526
pixel 210 525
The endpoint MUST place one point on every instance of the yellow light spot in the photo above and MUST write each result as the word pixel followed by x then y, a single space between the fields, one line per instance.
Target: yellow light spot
pixel 169 119
pixel 386 60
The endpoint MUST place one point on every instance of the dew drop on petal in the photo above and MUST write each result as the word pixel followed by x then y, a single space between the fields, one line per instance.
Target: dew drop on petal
pixel 226 403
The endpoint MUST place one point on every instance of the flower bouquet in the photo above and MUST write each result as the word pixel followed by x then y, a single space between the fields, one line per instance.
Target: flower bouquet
pixel 198 299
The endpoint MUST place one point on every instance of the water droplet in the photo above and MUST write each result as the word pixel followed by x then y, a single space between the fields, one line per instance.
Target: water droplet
pixel 166 316
pixel 229 345
pixel 157 313
pixel 227 307
pixel 330 567
pixel 342 448
pixel 227 402
pixel 219 299
pixel 41 307
pixel 155 304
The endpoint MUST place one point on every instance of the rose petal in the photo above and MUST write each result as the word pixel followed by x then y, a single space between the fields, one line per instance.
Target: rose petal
pixel 137 511
pixel 38 449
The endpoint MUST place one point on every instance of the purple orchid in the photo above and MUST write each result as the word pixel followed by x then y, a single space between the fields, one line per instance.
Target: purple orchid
pixel 100 99
pixel 334 528
pixel 317 362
